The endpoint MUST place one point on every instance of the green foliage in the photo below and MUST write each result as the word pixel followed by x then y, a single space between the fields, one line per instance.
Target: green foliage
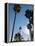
pixel 18 37
pixel 29 26
pixel 29 15
pixel 17 8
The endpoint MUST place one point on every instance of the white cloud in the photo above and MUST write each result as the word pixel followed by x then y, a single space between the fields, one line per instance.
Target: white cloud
pixel 25 30
pixel 25 33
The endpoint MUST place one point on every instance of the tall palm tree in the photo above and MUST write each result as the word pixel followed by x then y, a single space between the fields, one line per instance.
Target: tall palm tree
pixel 29 15
pixel 17 10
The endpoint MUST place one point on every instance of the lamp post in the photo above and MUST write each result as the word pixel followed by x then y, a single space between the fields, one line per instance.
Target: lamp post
pixel 17 10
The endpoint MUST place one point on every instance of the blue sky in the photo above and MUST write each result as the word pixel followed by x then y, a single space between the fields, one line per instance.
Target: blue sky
pixel 21 20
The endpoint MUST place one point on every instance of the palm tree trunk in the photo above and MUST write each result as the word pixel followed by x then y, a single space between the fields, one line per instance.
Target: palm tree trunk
pixel 30 30
pixel 31 35
pixel 13 27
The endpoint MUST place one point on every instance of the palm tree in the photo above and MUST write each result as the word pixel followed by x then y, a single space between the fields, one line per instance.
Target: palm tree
pixel 17 10
pixel 31 32
pixel 29 15
pixel 17 37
